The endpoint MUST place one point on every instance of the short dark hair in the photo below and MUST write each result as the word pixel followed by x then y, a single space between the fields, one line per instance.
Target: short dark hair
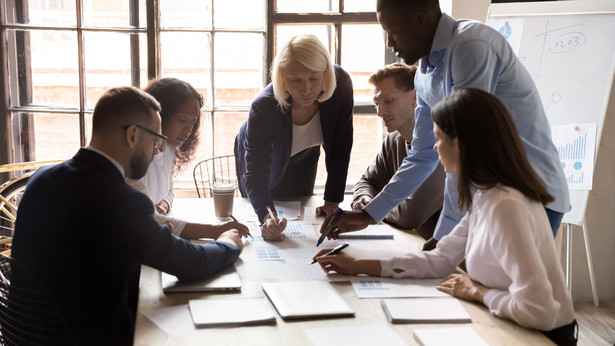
pixel 490 150
pixel 123 106
pixel 172 93
pixel 402 73
pixel 407 4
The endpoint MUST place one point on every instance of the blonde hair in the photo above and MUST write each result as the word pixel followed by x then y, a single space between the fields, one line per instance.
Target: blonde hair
pixel 310 52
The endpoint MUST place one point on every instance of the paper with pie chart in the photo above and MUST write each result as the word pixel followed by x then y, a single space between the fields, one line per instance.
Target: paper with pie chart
pixel 576 144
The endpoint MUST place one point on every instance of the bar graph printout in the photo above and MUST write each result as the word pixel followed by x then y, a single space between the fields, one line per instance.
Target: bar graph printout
pixel 576 144
pixel 370 287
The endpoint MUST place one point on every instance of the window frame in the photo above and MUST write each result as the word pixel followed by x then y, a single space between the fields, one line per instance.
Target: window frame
pixel 152 31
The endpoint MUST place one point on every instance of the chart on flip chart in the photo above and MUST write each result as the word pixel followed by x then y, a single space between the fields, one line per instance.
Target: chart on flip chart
pixel 575 145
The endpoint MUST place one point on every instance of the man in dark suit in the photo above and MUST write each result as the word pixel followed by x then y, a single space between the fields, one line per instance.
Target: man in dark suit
pixel 83 233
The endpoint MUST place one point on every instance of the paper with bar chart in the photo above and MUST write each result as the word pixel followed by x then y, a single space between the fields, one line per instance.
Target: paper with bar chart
pixel 576 144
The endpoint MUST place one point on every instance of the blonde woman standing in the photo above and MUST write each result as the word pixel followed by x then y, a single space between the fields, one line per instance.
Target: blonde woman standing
pixel 308 105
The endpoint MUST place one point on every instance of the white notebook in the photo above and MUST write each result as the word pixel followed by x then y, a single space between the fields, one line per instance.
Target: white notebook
pixel 226 280
pixel 231 311
pixel 305 299
pixel 458 336
pixel 425 310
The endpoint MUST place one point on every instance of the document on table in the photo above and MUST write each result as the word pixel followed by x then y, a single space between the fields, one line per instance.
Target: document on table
pixel 371 287
pixel 279 271
pixel 373 248
pixel 380 334
pixel 261 250
pixel 290 210
pixel 459 336
pixel 296 230
pixel 309 216
pixel 174 320
pixel 299 245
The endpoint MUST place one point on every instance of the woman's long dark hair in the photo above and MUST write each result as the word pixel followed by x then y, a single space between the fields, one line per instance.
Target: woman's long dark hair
pixel 490 150
pixel 172 93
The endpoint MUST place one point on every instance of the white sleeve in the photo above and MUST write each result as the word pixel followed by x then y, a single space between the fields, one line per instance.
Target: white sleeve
pixel 439 262
pixel 178 225
pixel 529 300
pixel 170 196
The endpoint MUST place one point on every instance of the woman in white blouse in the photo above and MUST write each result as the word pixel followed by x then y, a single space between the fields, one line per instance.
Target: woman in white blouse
pixel 181 114
pixel 505 238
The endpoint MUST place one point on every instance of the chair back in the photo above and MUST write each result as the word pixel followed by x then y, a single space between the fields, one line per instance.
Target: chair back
pixel 28 314
pixel 218 169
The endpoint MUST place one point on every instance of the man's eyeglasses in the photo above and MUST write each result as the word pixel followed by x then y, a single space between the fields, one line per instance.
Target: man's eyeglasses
pixel 161 139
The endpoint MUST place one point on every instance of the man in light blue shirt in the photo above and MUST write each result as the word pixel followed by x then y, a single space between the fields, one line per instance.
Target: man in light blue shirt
pixel 454 55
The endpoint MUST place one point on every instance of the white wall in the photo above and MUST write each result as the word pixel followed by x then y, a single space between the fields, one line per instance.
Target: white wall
pixel 468 9
pixel 600 212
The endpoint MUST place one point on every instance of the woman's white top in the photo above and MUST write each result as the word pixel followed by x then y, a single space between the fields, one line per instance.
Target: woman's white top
pixel 157 184
pixel 508 246
pixel 307 136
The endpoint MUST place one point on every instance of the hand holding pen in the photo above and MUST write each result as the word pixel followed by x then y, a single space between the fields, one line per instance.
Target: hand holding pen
pixel 329 253
pixel 247 232
pixel 328 227
pixel 346 221
pixel 273 227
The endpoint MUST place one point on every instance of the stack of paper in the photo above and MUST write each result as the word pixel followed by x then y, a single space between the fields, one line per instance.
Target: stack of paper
pixel 231 311
pixel 461 336
pixel 425 310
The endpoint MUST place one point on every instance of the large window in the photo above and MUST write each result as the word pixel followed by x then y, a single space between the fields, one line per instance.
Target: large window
pixel 61 55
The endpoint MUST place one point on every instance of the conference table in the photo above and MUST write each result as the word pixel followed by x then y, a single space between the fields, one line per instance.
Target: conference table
pixel 173 325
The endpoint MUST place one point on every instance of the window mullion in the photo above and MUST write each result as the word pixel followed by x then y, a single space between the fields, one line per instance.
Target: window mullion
pixel 81 68
pixel 212 79
pixel 135 70
pixel 153 39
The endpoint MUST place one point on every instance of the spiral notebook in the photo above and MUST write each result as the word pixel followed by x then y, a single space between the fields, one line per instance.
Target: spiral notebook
pixel 231 311
pixel 372 232
pixel 345 236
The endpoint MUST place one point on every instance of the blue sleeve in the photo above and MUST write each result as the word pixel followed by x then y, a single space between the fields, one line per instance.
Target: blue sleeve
pixel 450 215
pixel 143 240
pixel 421 161
pixel 262 128
pixel 338 155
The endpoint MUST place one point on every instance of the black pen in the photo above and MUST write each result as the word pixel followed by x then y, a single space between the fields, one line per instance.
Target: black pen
pixel 334 251
pixel 328 228
pixel 234 219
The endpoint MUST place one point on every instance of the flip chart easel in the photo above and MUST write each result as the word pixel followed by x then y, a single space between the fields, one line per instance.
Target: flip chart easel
pixel 568 47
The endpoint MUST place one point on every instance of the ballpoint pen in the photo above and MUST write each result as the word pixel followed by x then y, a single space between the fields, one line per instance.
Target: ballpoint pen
pixel 328 228
pixel 334 251
pixel 273 217
pixel 234 219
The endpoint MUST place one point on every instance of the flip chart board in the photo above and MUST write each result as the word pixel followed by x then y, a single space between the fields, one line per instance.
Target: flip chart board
pixel 569 49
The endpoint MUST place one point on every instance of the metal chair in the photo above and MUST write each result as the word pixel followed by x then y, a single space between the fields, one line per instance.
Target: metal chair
pixel 28 314
pixel 12 190
pixel 219 169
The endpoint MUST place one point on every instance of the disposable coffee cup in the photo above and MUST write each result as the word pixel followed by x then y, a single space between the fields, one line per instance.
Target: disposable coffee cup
pixel 223 199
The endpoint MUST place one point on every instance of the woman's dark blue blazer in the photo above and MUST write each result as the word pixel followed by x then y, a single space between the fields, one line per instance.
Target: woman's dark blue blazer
pixel 264 143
